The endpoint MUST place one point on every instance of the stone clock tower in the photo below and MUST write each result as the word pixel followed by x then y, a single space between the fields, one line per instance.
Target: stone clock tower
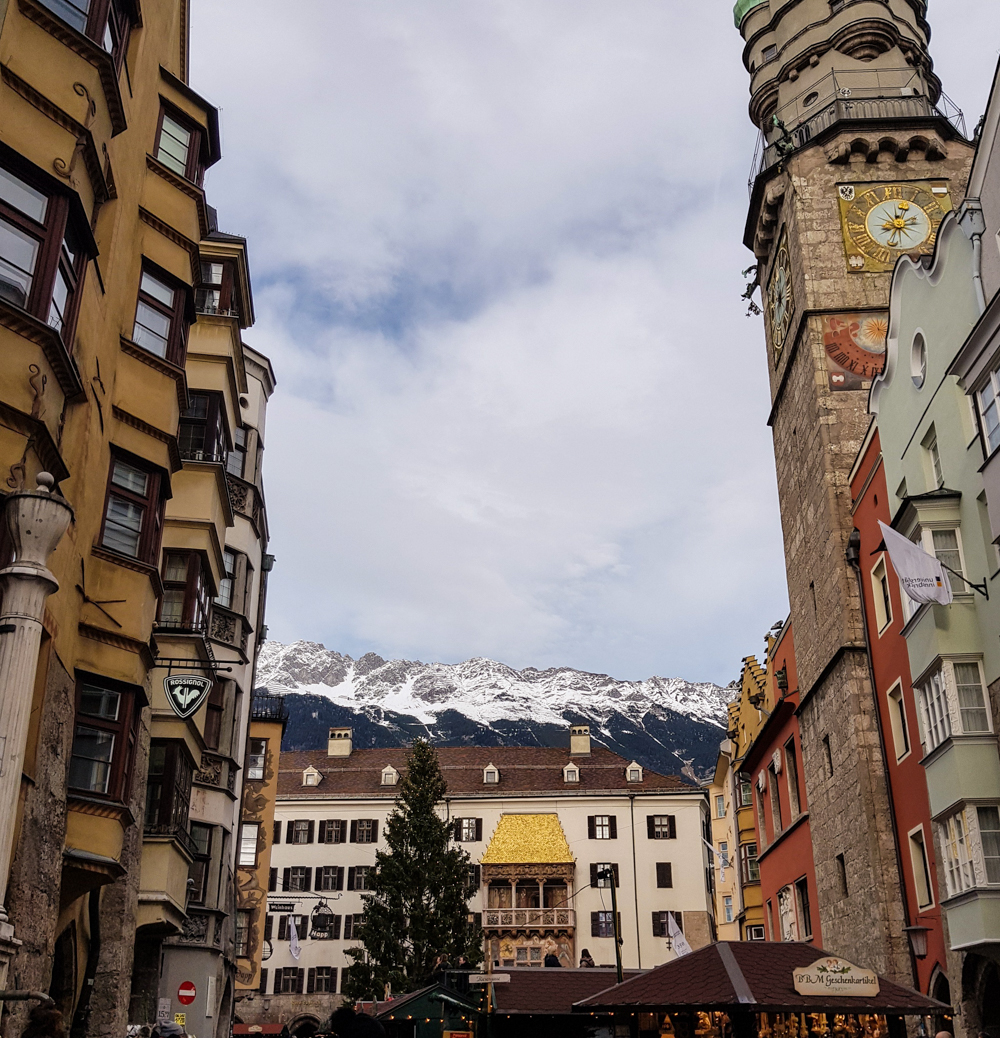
pixel 859 160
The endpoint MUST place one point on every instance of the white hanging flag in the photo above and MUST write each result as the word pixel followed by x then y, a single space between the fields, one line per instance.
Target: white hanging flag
pixel 921 576
pixel 293 939
pixel 681 946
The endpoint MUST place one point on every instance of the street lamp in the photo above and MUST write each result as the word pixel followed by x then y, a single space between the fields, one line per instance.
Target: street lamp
pixel 918 940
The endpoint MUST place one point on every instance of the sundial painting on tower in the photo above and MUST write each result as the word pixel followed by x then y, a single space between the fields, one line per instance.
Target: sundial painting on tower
pixel 855 348
pixel 882 222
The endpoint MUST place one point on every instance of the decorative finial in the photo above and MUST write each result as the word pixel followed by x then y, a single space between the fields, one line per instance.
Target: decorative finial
pixel 46 481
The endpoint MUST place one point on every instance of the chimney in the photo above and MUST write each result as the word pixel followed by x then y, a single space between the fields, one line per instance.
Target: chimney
pixel 341 742
pixel 579 740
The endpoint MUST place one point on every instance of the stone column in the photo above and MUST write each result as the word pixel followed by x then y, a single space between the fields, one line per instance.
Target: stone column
pixel 37 520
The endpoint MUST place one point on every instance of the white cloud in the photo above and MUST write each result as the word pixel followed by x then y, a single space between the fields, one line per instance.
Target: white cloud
pixel 497 253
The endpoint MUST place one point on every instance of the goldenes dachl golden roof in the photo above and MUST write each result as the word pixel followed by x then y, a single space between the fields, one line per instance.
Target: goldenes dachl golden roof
pixel 528 840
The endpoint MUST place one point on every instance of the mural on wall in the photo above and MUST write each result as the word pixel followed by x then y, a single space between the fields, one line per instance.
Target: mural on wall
pixel 855 348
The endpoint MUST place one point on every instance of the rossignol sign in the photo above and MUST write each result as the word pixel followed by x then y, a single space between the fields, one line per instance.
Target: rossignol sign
pixel 834 977
pixel 186 692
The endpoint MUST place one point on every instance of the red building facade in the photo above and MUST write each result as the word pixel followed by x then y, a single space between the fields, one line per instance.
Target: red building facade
pixel 897 713
pixel 774 767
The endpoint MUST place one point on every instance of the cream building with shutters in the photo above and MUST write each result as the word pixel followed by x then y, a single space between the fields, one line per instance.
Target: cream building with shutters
pixel 539 825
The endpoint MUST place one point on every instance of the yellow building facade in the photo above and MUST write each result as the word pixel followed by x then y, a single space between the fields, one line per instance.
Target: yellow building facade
pixel 121 311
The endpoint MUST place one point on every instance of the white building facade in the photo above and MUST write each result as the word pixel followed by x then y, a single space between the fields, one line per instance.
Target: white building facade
pixel 539 824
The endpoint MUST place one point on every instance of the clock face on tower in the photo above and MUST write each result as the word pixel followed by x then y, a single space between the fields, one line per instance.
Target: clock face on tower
pixel 780 301
pixel 882 222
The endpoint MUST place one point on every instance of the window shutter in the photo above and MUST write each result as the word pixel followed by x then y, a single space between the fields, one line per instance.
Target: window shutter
pixel 613 826
pixel 268 926
pixel 350 877
pixel 595 926
pixel 620 930
pixel 299 979
pixel 335 929
pixel 312 831
pixel 614 869
pixel 348 926
pixel 262 987
pixel 679 920
pixel 333 980
pixel 307 882
pixel 657 925
pixel 272 880
pixel 591 828
pixel 338 831
pixel 282 931
pixel 664 874
pixel 479 876
pixel 593 873
pixel 477 920
pixel 650 830
pixel 322 833
pixel 277 839
pixel 311 983
pixel 285 879
pixel 340 878
pixel 354 836
pixel 375 831
pixel 479 830
pixel 277 981
pixel 673 826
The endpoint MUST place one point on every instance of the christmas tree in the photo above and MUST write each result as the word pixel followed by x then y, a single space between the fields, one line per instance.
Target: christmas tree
pixel 416 908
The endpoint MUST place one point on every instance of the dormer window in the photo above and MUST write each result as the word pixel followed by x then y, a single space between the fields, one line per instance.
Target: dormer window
pixel 390 776
pixel 311 777
pixel 633 773
pixel 571 773
pixel 491 776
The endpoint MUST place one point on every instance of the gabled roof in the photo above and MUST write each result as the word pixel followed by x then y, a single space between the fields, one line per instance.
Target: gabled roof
pixel 552 992
pixel 748 975
pixel 523 769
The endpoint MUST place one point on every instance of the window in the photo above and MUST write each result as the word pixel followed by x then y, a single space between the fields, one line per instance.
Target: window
pixel 215 294
pixel 201 837
pixel 934 698
pixel 364 830
pixel 117 32
pixel 351 924
pixel 952 699
pixel 490 775
pixel 358 877
pixel 103 739
pixel 186 593
pixel 828 756
pixel 236 460
pixel 289 981
pixel 301 831
pixel 473 879
pixel 727 908
pixel 333 831
pixel 311 777
pixel 769 920
pixel 948 553
pixel 802 905
pixel 842 874
pixel 989 837
pixel 178 143
pixel 242 933
pixel 168 788
pixel 248 844
pixel 749 867
pixel 571 774
pixel 602 924
pixel 989 409
pixel 775 794
pixel 214 708
pixel 322 978
pixel 770 52
pixel 720 806
pixel 792 776
pixel 897 721
pixel 723 860
pixel 133 512
pixel 256 760
pixel 634 773
pixel 958 870
pixel 598 879
pixel 921 869
pixel 971 705
pixel 298 877
pixel 745 791
pixel 918 360
pixel 756 933
pixel 330 877
pixel 602 827
pixel 880 592
pixel 41 255
pixel 664 874
pixel 159 318
pixel 225 596
pixel 661 923
pixel 201 435
pixel 104 22
pixel 761 818
pixel 661 827
pixel 389 776
pixel 468 830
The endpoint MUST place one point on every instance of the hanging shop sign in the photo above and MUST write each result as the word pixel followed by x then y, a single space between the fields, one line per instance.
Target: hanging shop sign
pixel 834 977
pixel 489 978
pixel 186 692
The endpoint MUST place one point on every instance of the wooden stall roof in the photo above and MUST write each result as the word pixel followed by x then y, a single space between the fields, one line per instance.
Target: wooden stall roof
pixel 551 992
pixel 748 975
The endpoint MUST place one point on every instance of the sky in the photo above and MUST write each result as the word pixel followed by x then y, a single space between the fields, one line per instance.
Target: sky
pixel 496 249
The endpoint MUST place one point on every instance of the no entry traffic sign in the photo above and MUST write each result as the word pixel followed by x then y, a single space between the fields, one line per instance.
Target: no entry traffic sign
pixel 186 993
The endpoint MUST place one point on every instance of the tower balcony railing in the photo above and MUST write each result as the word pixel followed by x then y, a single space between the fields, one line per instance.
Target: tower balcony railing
pixel 858 94
pixel 528 918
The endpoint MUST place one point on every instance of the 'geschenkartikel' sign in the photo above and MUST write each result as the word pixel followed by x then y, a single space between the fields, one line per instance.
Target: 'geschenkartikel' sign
pixel 834 977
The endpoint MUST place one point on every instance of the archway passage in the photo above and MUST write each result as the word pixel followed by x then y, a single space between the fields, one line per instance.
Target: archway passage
pixel 304 1027
pixel 941 990
pixel 989 1001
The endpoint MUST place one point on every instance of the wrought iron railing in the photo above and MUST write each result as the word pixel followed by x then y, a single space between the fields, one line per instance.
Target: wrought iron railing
pixel 265 707
pixel 533 918
pixel 173 832
pixel 846 96
pixel 219 457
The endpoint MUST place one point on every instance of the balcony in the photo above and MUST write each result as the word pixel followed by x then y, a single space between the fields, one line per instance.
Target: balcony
pixel 265 707
pixel 529 918
pixel 246 498
pixel 218 457
pixel 229 628
pixel 179 834
pixel 860 95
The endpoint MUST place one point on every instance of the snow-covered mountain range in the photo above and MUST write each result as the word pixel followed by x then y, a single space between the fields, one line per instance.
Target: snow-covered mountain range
pixel 668 724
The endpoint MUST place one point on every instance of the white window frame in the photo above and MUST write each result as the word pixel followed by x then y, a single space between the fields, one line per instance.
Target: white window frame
pixel 922 881
pixel 720 802
pixel 956 855
pixel 879 576
pixel 491 775
pixel 602 827
pixel 390 776
pixel 993 381
pixel 571 773
pixel 249 833
pixel 727 908
pixel 926 541
pixel 940 725
pixel 898 724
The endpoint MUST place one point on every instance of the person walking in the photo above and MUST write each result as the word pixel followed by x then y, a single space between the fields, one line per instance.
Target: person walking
pixel 586 959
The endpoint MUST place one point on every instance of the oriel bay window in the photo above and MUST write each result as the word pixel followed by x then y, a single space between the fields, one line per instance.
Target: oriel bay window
pixel 104 737
pixel 178 145
pixel 43 250
pixel 201 435
pixel 160 315
pixel 216 291
pixel 953 702
pixel 186 591
pixel 107 22
pixel 168 788
pixel 133 513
